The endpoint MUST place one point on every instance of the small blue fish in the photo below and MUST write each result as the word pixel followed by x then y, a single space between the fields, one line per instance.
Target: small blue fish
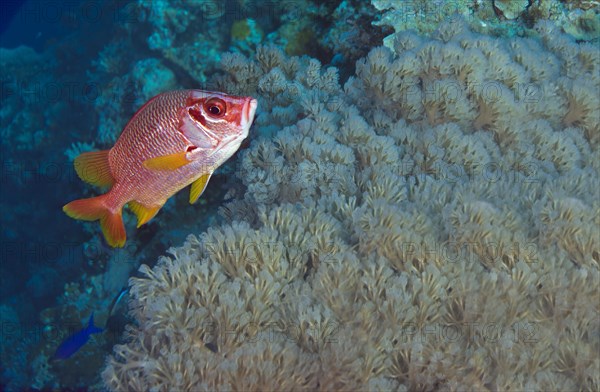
pixel 74 342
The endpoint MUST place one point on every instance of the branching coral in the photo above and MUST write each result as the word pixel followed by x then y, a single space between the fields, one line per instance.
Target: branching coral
pixel 388 238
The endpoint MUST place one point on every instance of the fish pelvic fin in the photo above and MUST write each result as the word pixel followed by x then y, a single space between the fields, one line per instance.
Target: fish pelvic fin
pixel 93 168
pixel 91 328
pixel 95 208
pixel 167 162
pixel 143 213
pixel 198 187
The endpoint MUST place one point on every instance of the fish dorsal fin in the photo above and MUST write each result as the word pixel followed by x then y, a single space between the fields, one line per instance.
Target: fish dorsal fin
pixel 143 213
pixel 92 167
pixel 198 187
pixel 167 162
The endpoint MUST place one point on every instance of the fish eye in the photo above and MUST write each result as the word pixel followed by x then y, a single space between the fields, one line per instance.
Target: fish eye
pixel 215 107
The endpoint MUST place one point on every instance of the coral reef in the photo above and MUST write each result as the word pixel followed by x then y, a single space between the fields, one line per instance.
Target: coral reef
pixel 430 225
pixel 402 161
pixel 510 9
pixel 507 18
pixel 151 78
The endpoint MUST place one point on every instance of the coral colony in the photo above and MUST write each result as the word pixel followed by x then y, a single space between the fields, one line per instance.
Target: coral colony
pixel 430 224
pixel 415 208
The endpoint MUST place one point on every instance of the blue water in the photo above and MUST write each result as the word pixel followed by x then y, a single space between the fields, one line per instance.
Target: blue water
pixel 72 74
pixel 56 91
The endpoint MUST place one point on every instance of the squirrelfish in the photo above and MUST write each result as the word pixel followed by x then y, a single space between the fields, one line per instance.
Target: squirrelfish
pixel 176 139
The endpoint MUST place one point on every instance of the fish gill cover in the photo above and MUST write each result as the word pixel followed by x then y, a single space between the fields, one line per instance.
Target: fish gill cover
pixel 417 208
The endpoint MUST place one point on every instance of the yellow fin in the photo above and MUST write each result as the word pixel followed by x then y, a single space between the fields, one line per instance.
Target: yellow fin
pixel 143 213
pixel 167 162
pixel 92 167
pixel 198 187
pixel 93 209
pixel 113 229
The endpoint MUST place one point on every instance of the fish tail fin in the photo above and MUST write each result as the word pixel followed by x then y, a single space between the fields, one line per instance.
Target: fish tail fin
pixel 95 208
pixel 91 328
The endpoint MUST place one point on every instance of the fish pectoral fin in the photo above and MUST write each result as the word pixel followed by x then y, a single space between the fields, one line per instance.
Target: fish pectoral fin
pixel 198 187
pixel 167 162
pixel 143 213
pixel 93 168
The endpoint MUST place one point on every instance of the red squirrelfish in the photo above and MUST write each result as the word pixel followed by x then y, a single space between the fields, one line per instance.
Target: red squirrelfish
pixel 176 139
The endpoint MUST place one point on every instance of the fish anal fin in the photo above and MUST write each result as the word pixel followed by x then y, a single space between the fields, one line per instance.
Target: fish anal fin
pixel 93 168
pixel 143 213
pixel 198 187
pixel 94 209
pixel 167 162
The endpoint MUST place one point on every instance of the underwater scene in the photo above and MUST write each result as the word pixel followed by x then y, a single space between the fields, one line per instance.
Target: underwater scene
pixel 319 195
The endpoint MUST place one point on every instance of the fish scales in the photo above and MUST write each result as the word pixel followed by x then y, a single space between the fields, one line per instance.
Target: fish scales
pixel 176 139
pixel 151 133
